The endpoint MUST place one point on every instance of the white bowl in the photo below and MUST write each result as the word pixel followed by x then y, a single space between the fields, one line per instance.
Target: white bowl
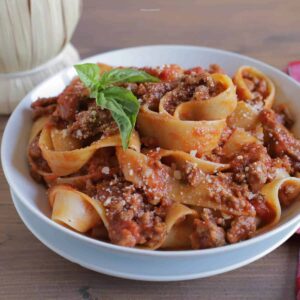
pixel 33 197
pixel 137 267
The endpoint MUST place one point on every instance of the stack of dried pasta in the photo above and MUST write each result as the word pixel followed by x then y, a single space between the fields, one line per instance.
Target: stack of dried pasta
pixel 34 39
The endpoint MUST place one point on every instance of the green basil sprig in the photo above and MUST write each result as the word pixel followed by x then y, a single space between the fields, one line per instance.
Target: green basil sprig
pixel 121 102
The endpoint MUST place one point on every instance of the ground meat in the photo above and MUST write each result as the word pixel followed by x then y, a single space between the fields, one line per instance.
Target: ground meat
pixel 70 100
pixel 258 86
pixel 277 138
pixel 217 154
pixel 132 220
pixel 222 190
pixel 207 234
pixel 242 228
pixel 251 165
pixel 196 87
pixel 153 179
pixel 152 71
pixel 264 212
pixel 150 93
pixel 171 72
pixel 194 71
pixel 257 175
pixel 283 163
pixel 215 68
pixel 43 107
pixel 92 122
pixel 283 115
pixel 166 73
pixel 193 174
pixel 103 165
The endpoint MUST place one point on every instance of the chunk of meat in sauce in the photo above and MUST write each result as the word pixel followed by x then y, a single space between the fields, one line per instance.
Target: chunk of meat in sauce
pixel 132 220
pixel 288 193
pixel 171 72
pixel 277 138
pixel 283 115
pixel 264 212
pixel 252 165
pixel 242 228
pixel 150 93
pixel 222 189
pixel 92 122
pixel 69 101
pixel 43 107
pixel 215 68
pixel 235 196
pixel 207 234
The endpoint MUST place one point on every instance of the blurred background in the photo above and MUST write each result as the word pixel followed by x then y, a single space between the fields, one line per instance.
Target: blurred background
pixel 266 30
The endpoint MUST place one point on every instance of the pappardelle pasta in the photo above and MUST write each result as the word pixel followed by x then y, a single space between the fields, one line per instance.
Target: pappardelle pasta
pixel 209 160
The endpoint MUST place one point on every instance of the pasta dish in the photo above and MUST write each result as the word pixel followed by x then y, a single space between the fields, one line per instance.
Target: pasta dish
pixel 165 157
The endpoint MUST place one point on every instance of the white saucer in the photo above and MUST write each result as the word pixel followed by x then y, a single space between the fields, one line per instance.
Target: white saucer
pixel 121 265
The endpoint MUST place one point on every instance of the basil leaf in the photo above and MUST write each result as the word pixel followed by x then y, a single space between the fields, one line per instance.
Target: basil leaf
pixel 89 74
pixel 126 75
pixel 121 102
pixel 126 99
pixel 119 115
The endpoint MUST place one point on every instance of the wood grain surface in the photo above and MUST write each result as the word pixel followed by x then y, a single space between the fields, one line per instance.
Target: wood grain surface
pixel 267 30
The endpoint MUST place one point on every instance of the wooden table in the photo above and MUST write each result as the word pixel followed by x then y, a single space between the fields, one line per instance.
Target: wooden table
pixel 267 30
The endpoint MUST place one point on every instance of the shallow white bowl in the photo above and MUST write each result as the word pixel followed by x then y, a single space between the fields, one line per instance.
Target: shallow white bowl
pixel 33 196
pixel 137 267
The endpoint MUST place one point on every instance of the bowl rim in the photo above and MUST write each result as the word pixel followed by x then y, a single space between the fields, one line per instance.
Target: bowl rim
pixel 150 278
pixel 175 253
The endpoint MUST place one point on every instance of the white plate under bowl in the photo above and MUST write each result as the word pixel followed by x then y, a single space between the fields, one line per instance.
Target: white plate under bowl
pixel 122 265
pixel 33 196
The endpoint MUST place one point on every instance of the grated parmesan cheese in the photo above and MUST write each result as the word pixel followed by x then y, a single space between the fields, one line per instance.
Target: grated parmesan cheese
pixel 105 170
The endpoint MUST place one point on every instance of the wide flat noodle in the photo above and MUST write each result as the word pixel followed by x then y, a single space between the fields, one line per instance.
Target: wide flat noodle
pixel 37 127
pixel 172 133
pixel 137 168
pixel 78 211
pixel 75 209
pixel 246 113
pixel 195 125
pixel 245 116
pixel 215 108
pixel 62 141
pixel 64 163
pixel 244 92
pixel 237 140
pixel 179 223
pixel 181 158
pixel 186 132
pixel 270 191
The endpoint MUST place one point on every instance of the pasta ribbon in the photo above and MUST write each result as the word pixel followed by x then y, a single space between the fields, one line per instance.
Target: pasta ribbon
pixel 270 191
pixel 243 90
pixel 75 209
pixel 237 140
pixel 247 110
pixel 215 108
pixel 161 192
pixel 69 161
pixel 137 168
pixel 195 125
